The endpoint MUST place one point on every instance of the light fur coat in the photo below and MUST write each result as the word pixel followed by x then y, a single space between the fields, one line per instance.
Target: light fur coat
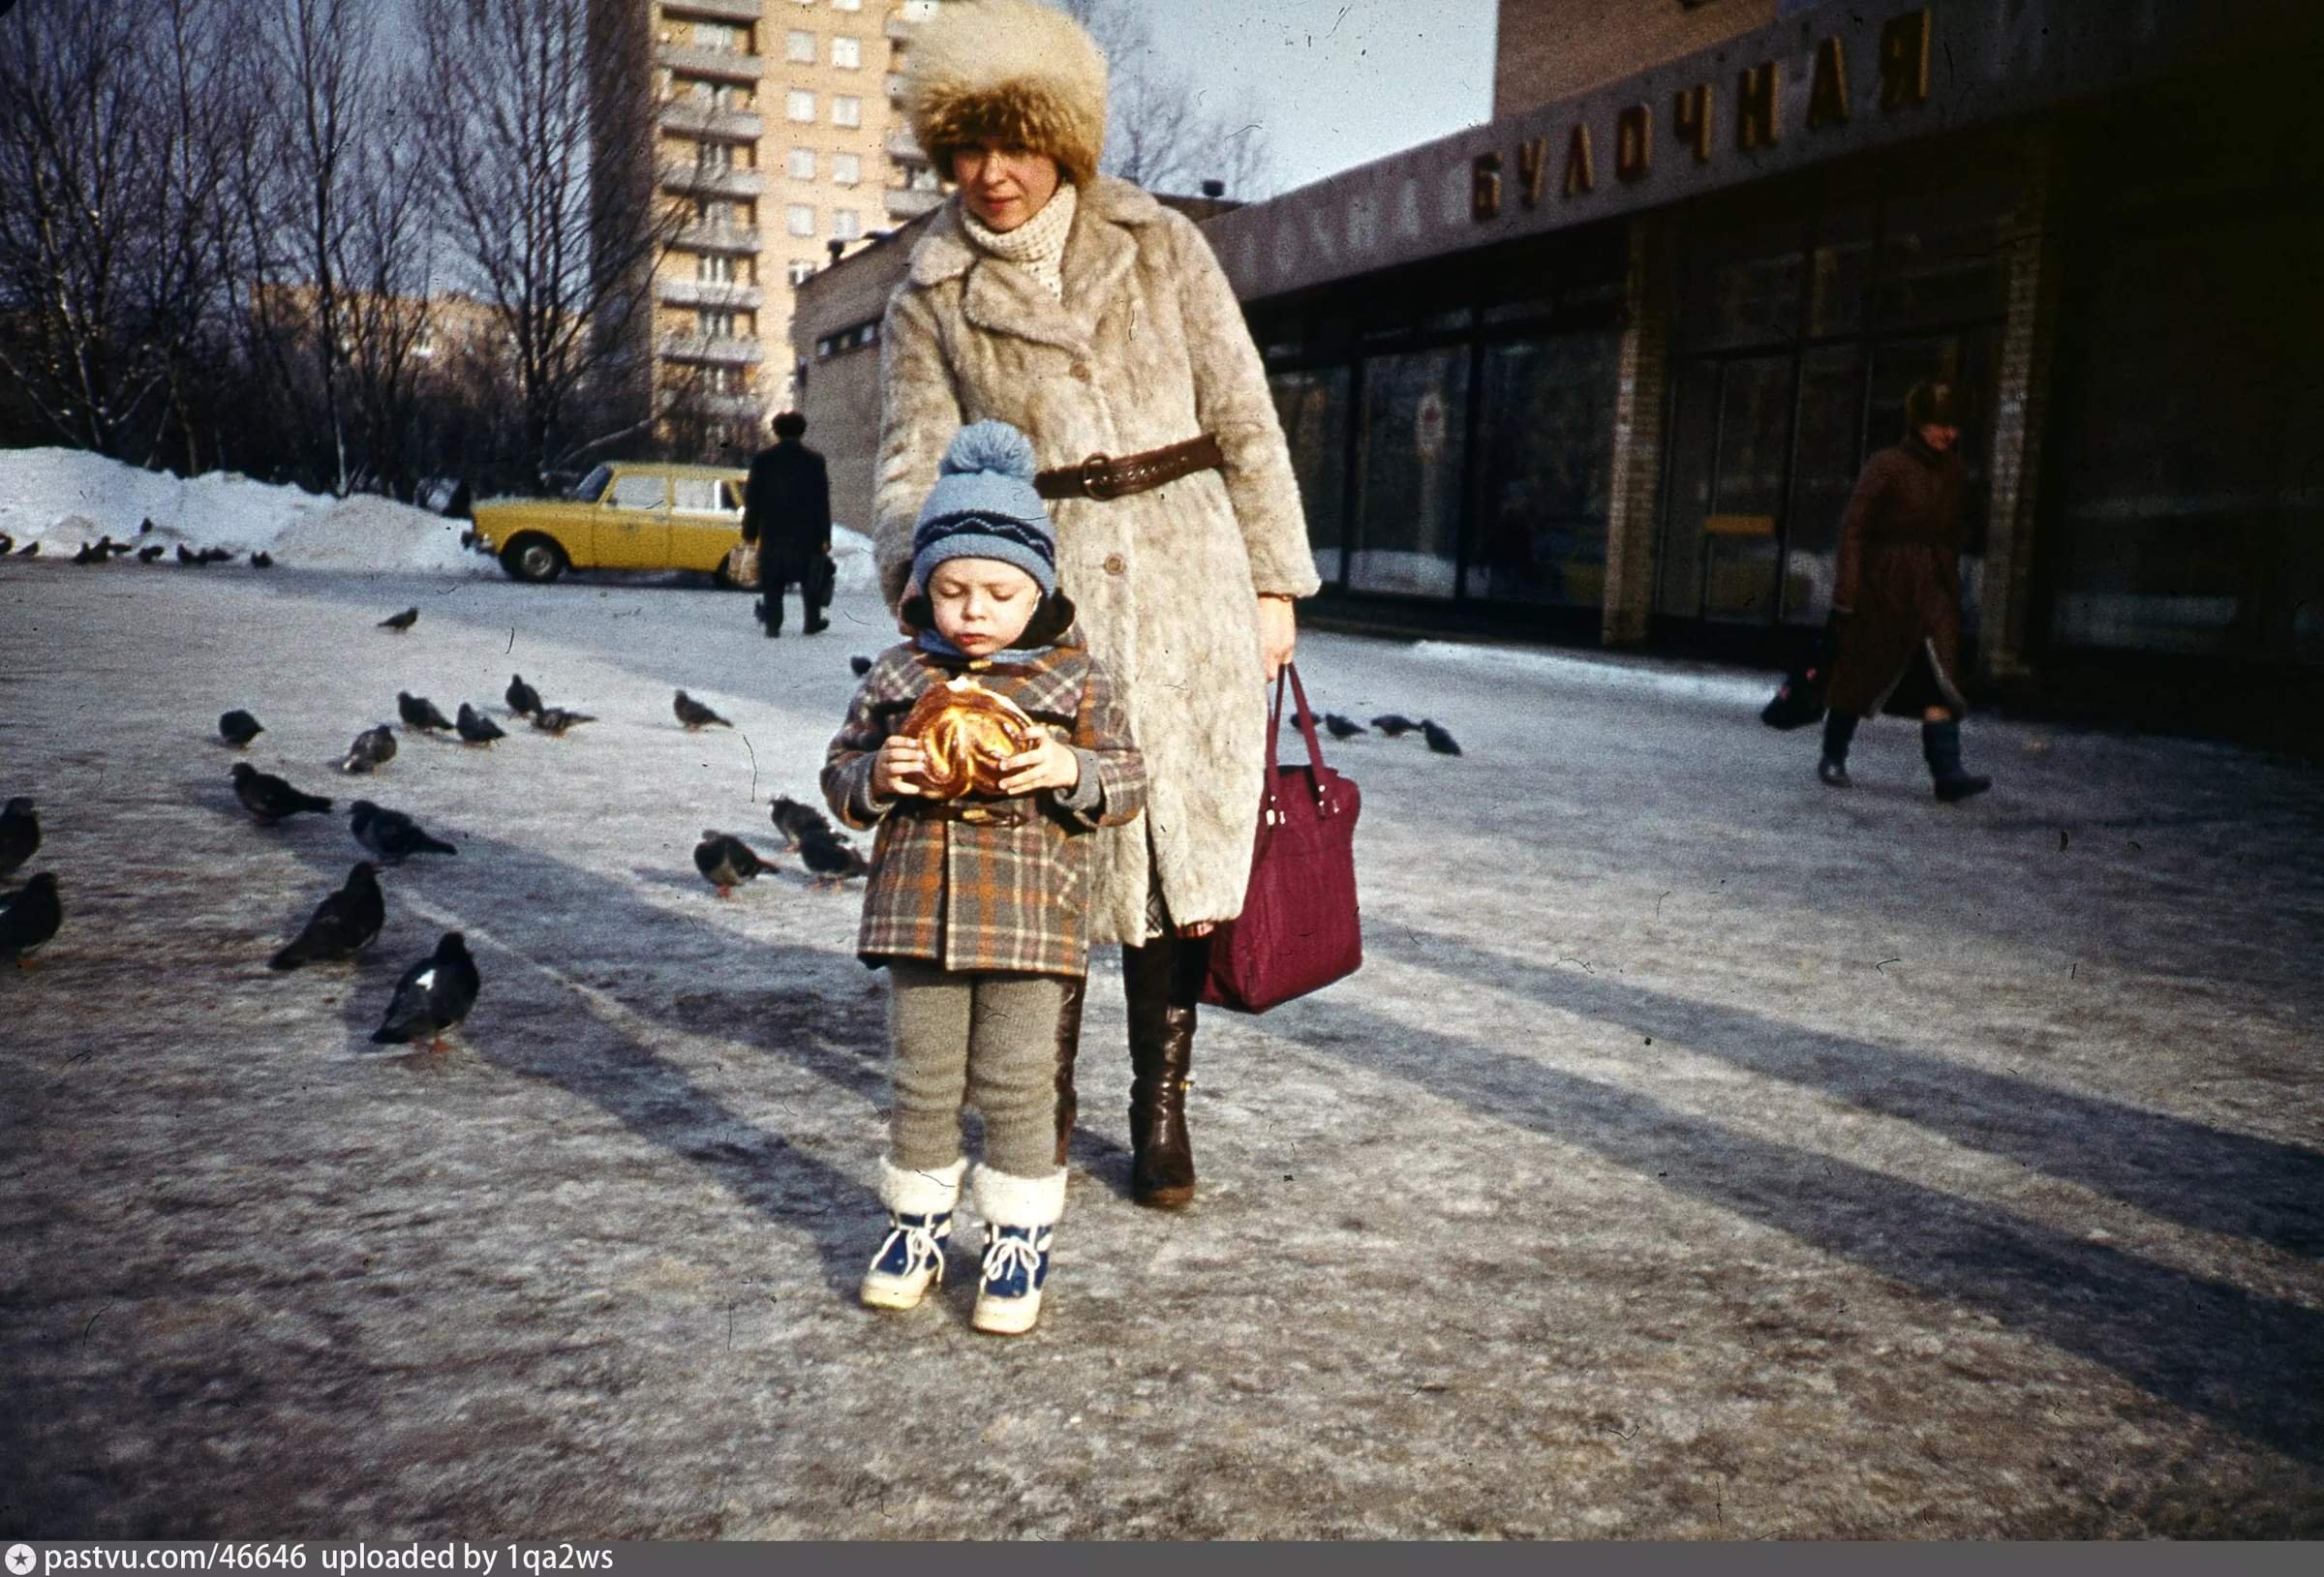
pixel 1147 348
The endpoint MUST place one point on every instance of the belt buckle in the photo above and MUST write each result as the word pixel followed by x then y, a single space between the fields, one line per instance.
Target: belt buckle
pixel 976 815
pixel 1093 475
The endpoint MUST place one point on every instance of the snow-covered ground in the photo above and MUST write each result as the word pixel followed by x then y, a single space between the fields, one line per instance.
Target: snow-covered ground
pixel 1700 1152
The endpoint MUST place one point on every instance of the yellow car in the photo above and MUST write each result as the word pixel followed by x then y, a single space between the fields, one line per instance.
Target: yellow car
pixel 627 514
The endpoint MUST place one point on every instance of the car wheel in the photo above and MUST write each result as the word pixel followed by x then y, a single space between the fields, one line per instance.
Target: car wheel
pixel 534 559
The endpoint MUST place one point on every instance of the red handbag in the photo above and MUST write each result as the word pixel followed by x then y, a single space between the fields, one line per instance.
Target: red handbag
pixel 1298 931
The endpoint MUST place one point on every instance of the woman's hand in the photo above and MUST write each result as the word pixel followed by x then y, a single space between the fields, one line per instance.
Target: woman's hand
pixel 1278 632
pixel 1048 765
pixel 897 769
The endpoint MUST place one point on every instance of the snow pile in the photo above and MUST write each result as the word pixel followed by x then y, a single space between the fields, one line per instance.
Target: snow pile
pixel 853 569
pixel 62 498
pixel 1647 676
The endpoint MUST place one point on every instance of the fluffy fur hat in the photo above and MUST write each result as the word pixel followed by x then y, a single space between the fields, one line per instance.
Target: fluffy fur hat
pixel 1012 70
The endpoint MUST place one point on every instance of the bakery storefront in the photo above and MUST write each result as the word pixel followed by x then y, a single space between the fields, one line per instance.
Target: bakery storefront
pixel 1606 371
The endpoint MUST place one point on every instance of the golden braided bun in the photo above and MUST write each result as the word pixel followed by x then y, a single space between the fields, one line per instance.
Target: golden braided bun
pixel 967 732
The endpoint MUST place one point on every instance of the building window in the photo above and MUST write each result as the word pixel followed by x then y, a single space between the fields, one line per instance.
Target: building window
pixel 715 212
pixel 846 169
pixel 799 104
pixel 847 110
pixel 799 219
pixel 716 267
pixel 921 178
pixel 919 11
pixel 717 36
pixel 846 5
pixel 716 326
pixel 799 46
pixel 845 224
pixel 800 164
pixel 801 270
pixel 714 155
pixel 847 53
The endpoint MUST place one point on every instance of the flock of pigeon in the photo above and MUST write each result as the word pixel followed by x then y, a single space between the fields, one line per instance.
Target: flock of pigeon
pixel 435 992
pixel 104 550
pixel 1396 726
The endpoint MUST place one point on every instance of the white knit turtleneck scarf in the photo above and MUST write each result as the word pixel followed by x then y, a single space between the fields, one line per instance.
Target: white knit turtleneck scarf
pixel 1038 245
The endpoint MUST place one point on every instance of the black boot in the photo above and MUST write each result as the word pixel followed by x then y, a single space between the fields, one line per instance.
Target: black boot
pixel 1162 982
pixel 1069 1046
pixel 1838 728
pixel 770 611
pixel 1941 746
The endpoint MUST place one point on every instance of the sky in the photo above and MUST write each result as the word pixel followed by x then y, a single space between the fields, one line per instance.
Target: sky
pixel 1337 82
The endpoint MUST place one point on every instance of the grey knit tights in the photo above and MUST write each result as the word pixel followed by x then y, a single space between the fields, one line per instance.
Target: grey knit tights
pixel 990 1039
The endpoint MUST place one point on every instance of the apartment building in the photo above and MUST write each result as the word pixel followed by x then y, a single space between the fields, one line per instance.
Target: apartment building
pixel 779 137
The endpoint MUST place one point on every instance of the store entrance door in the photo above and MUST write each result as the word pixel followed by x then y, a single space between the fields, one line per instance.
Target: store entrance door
pixel 1722 550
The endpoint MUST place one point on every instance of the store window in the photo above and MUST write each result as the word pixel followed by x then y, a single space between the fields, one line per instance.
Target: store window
pixel 1414 411
pixel 1546 444
pixel 1313 408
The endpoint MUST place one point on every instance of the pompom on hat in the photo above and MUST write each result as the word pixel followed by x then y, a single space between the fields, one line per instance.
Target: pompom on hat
pixel 1019 73
pixel 984 506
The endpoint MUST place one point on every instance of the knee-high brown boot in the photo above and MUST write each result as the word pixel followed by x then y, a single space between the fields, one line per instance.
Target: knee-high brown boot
pixel 1069 1046
pixel 1162 981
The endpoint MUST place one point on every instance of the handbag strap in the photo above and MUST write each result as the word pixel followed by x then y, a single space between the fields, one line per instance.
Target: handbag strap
pixel 1274 728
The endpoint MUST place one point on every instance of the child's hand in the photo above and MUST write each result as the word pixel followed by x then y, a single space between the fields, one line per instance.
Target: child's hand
pixel 897 768
pixel 1048 765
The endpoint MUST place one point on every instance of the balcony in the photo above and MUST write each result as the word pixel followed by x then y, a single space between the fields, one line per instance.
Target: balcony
pixel 900 30
pixel 727 64
pixel 729 238
pixel 699 119
pixel 712 180
pixel 704 292
pixel 899 143
pixel 719 350
pixel 905 204
pixel 744 405
pixel 723 10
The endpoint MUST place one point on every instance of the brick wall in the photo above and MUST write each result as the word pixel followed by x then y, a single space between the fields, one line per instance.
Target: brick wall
pixel 1545 49
pixel 1634 525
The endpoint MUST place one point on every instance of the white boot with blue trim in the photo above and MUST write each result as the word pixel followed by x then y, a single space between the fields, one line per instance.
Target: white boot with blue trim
pixel 1020 1214
pixel 911 1258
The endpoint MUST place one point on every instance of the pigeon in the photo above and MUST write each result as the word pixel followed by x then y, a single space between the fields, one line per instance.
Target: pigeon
pixel 694 715
pixel 401 621
pixel 1395 725
pixel 19 833
pixel 270 798
pixel 187 555
pixel 475 728
pixel 434 994
pixel 216 556
pixel 90 554
pixel 391 835
pixel 119 550
pixel 373 748
pixel 556 719
pixel 1442 742
pixel 8 543
pixel 238 728
pixel 1342 728
pixel 150 552
pixel 342 924
pixel 797 822
pixel 831 861
pixel 145 527
pixel 30 550
pixel 858 666
pixel 30 917
pixel 524 701
pixel 726 861
pixel 261 561
pixel 418 712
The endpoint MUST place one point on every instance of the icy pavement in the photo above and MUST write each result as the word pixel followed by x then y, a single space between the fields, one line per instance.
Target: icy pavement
pixel 1700 1152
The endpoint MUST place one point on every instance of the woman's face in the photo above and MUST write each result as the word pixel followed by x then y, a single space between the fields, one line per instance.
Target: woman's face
pixel 982 604
pixel 1004 186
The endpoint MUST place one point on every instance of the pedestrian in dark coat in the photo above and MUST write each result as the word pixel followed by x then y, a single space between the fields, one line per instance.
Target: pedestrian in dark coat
pixel 1896 607
pixel 787 510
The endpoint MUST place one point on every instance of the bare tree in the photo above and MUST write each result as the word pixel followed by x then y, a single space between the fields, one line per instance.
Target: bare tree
pixel 540 141
pixel 107 277
pixel 1160 134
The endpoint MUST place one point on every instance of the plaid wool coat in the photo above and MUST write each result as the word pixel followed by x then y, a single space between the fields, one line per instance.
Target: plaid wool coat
pixel 976 897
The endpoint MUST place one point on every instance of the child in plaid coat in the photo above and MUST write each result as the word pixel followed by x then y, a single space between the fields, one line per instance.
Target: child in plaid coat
pixel 977 905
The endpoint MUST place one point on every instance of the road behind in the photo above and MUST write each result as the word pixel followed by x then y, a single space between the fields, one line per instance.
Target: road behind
pixel 1700 1152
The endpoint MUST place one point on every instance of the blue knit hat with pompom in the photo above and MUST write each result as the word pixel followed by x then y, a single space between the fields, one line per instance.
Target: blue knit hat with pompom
pixel 984 506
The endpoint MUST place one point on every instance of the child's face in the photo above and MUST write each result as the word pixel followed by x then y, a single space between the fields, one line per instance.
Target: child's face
pixel 982 604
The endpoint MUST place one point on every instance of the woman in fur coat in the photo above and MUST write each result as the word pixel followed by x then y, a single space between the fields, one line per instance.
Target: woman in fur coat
pixel 1079 310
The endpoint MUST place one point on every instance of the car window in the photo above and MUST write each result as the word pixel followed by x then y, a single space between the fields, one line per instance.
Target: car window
pixel 640 490
pixel 592 486
pixel 730 495
pixel 700 495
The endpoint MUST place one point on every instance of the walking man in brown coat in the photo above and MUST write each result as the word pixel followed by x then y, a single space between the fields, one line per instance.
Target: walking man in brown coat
pixel 1896 607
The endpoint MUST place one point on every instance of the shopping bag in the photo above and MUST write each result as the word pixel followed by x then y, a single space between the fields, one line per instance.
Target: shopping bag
pixel 742 565
pixel 1299 930
pixel 1800 699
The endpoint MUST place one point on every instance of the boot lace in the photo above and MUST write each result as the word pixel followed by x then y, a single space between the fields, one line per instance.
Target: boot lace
pixel 921 1248
pixel 1008 1256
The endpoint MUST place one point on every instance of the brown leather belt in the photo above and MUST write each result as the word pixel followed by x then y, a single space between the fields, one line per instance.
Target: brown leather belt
pixel 1015 812
pixel 1101 478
